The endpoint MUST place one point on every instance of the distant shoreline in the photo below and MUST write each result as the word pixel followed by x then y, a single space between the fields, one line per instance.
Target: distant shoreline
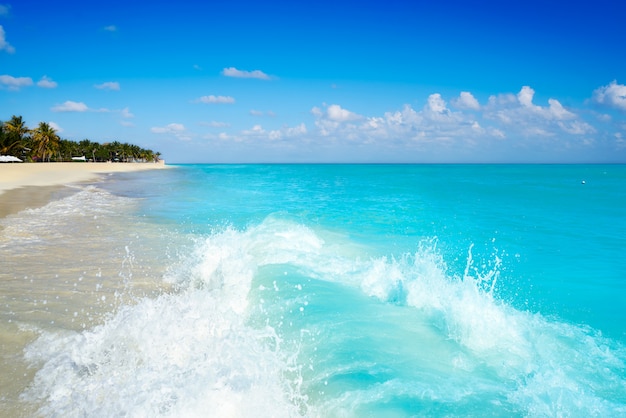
pixel 17 175
pixel 30 185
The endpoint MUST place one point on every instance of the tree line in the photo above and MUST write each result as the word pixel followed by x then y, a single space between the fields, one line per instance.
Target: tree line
pixel 44 144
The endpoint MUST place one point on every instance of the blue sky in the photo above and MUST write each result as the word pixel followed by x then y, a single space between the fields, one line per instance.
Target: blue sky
pixel 324 81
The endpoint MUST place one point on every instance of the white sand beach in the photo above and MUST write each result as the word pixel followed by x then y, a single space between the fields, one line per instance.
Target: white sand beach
pixel 16 175
pixel 19 181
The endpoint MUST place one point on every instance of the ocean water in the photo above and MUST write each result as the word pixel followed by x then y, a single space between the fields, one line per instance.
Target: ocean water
pixel 320 291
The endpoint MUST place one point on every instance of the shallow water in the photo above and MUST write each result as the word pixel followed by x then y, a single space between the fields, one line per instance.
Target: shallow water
pixel 65 266
pixel 316 290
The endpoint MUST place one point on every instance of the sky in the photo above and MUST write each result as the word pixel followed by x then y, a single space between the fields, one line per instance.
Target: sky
pixel 518 81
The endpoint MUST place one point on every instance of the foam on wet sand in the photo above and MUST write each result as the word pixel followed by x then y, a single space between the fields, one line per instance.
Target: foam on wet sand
pixel 16 175
pixel 17 180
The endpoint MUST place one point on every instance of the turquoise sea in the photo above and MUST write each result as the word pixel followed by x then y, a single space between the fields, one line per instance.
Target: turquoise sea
pixel 325 291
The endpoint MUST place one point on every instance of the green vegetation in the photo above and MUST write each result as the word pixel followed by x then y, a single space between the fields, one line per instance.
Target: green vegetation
pixel 43 144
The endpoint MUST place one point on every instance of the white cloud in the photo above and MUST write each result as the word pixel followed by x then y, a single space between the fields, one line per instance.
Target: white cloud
pixel 257 132
pixel 576 127
pixel 70 106
pixel 436 104
pixel 256 129
pixel 335 120
pixel 287 132
pixel 403 129
pixel 168 129
pixel 55 126
pixel 290 132
pixel 525 96
pixel 513 117
pixel 508 125
pixel 47 83
pixel 15 83
pixel 518 112
pixel 215 99
pixel 317 112
pixel 4 45
pixel 109 85
pixel 126 113
pixel 337 114
pixel 110 28
pixel 233 72
pixel 466 101
pixel 174 129
pixel 557 111
pixel 497 133
pixel 612 95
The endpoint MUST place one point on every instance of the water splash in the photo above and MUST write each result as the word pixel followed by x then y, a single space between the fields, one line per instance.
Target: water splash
pixel 276 320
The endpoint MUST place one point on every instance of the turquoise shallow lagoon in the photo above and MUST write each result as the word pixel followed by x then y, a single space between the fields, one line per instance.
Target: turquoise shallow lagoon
pixel 326 291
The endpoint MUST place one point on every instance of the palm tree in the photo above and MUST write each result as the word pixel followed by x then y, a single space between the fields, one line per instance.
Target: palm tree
pixel 4 139
pixel 114 149
pixel 67 149
pixel 15 132
pixel 46 140
pixel 135 151
pixel 126 151
pixel 43 143
pixel 87 147
pixel 102 153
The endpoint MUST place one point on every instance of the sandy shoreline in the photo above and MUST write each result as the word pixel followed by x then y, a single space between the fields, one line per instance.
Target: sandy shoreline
pixel 13 176
pixel 31 185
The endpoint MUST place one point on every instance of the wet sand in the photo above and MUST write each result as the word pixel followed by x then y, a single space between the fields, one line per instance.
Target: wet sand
pixel 64 280
pixel 32 185
pixel 16 175
pixel 30 197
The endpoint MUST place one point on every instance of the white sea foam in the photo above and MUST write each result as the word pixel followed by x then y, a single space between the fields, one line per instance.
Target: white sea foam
pixel 61 218
pixel 177 355
pixel 556 368
pixel 180 354
pixel 198 349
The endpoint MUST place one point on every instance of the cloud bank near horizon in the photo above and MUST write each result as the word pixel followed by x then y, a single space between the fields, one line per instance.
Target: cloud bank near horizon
pixel 459 127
